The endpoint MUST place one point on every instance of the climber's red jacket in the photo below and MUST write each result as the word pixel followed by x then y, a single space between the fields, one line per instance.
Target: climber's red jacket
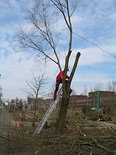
pixel 60 75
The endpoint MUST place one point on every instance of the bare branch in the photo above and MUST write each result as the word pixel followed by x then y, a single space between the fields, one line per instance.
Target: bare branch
pixel 74 66
pixel 61 7
pixel 31 87
pixel 74 8
pixel 43 34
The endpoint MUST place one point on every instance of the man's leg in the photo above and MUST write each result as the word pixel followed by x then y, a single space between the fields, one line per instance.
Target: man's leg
pixel 56 89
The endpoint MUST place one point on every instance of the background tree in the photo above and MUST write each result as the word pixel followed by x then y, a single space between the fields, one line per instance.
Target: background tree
pixel 111 86
pixel 43 38
pixel 98 87
pixel 34 88
pixel 85 90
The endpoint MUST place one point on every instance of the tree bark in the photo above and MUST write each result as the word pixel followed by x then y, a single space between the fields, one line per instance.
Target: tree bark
pixel 62 115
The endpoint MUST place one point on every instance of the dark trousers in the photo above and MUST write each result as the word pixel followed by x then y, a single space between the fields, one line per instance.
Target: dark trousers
pixel 57 87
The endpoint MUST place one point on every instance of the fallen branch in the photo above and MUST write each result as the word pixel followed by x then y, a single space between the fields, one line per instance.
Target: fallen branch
pixel 103 147
pixel 5 138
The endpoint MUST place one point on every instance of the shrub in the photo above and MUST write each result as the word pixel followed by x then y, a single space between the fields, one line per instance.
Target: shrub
pixel 88 111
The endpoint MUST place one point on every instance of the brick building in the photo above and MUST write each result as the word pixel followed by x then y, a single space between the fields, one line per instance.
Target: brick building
pixel 78 101
pixel 97 99
pixel 101 98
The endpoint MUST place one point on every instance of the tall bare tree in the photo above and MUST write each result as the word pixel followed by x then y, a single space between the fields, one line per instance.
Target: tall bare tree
pixel 42 37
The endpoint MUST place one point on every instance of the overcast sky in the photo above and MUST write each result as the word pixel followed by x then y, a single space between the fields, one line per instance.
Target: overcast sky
pixel 94 20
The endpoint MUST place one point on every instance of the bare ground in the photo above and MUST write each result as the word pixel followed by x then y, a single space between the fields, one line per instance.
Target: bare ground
pixel 82 136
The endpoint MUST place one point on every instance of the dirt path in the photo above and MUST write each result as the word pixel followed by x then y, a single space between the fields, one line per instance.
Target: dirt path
pixel 5 117
pixel 5 121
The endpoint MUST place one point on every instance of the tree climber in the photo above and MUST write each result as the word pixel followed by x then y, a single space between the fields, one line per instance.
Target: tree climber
pixel 58 81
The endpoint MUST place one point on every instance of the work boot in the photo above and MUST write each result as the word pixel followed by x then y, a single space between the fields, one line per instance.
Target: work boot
pixel 70 91
pixel 54 98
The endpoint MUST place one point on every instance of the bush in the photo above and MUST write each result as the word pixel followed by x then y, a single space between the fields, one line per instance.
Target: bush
pixel 88 111
pixel 109 109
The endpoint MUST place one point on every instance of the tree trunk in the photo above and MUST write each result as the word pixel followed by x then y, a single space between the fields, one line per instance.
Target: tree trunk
pixel 62 115
pixel 65 97
pixel 63 108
